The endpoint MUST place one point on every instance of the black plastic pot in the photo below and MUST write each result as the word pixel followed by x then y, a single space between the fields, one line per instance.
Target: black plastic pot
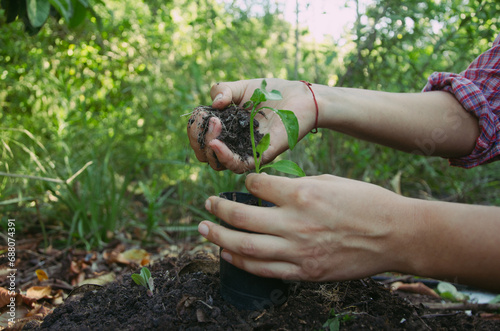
pixel 245 290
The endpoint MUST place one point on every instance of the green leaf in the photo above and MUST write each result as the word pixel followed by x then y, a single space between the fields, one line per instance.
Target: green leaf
pixel 64 7
pixel 447 296
pixel 247 104
pixel 151 284
pixel 273 95
pixel 263 85
pixel 145 273
pixel 257 97
pixel 495 299
pixel 332 324
pixel 38 11
pixel 263 144
pixel 291 125
pixel 286 166
pixel 450 292
pixel 444 287
pixel 139 280
pixel 261 95
pixel 85 3
pixel 79 13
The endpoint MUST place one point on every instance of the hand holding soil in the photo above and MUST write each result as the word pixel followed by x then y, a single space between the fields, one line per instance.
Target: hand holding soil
pixel 328 228
pixel 220 135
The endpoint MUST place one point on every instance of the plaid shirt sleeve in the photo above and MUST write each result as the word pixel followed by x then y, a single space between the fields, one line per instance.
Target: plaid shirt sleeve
pixel 478 90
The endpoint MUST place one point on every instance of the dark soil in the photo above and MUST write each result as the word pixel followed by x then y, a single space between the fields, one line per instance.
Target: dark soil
pixel 235 128
pixel 186 297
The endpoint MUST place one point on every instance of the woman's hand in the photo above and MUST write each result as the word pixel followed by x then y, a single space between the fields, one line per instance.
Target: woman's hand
pixel 322 228
pixel 329 228
pixel 296 97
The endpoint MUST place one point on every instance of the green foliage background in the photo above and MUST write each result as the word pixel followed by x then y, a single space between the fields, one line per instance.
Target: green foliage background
pixel 117 93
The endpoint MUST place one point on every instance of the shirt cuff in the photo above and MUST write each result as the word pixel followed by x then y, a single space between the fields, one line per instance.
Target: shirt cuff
pixel 475 97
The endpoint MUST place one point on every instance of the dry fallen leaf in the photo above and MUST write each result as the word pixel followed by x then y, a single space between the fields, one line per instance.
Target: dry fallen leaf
pixel 41 275
pixel 418 288
pixel 111 255
pixel 39 292
pixel 74 268
pixel 100 280
pixel 38 310
pixel 5 296
pixel 134 255
pixel 145 261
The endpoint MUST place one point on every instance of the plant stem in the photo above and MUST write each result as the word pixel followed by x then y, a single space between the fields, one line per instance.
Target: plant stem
pixel 254 149
pixel 252 139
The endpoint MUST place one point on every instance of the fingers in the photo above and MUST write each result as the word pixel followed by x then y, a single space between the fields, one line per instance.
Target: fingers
pixel 225 157
pixel 214 130
pixel 250 245
pixel 264 268
pixel 203 129
pixel 195 124
pixel 246 217
pixel 223 94
pixel 274 189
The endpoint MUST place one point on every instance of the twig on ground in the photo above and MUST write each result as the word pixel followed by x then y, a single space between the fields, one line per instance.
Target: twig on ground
pixel 486 307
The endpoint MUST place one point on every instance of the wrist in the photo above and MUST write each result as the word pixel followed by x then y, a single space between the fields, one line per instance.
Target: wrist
pixel 333 106
pixel 315 128
pixel 408 230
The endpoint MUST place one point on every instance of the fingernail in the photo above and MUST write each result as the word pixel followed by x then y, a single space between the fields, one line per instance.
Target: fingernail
pixel 218 97
pixel 208 205
pixel 203 229
pixel 226 256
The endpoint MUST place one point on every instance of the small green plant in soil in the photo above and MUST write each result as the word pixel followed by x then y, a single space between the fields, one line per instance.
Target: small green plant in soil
pixel 291 126
pixel 144 279
pixel 333 323
pixel 449 292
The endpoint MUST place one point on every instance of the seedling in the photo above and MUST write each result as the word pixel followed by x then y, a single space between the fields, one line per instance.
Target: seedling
pixel 449 292
pixel 291 126
pixel 333 323
pixel 144 279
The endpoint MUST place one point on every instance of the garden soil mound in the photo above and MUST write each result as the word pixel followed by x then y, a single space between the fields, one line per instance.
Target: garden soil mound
pixel 186 297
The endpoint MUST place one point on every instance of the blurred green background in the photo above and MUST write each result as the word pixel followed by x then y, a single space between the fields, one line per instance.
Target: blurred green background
pixel 106 99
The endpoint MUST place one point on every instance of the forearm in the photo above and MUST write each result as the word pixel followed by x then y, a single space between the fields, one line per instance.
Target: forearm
pixel 455 242
pixel 432 123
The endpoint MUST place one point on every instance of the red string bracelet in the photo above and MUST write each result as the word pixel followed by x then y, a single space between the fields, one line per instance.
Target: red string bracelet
pixel 315 129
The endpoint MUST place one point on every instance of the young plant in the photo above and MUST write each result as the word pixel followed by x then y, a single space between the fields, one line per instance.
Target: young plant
pixel 288 119
pixel 144 279
pixel 333 323
pixel 449 292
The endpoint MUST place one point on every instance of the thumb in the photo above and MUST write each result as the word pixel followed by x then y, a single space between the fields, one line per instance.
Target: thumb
pixel 223 94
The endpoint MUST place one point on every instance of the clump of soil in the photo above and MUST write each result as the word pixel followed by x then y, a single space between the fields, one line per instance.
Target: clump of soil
pixel 186 297
pixel 235 128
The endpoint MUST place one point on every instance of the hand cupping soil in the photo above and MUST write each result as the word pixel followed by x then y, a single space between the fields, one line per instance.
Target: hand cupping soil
pixel 235 128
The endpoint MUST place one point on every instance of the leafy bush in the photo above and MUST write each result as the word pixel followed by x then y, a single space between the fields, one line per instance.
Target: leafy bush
pixel 113 91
